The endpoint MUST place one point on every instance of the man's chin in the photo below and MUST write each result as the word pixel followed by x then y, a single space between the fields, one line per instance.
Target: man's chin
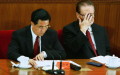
pixel 40 34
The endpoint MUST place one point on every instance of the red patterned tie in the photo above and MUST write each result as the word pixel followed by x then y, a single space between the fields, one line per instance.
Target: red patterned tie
pixel 91 42
pixel 36 46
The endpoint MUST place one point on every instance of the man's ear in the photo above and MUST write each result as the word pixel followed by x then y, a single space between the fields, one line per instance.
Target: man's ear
pixel 32 23
pixel 77 15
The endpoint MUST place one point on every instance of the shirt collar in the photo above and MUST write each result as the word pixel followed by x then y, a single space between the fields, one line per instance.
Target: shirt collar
pixel 33 34
pixel 90 29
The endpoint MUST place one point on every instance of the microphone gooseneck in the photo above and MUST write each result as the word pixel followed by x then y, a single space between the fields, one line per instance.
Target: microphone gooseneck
pixel 55 72
pixel 52 70
pixel 60 71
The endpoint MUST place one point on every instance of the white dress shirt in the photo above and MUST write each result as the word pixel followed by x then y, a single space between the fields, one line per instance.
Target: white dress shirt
pixel 33 38
pixel 92 36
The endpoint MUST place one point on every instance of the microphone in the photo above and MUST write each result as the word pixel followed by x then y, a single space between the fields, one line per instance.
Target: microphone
pixel 51 71
pixel 60 71
pixel 75 67
pixel 55 72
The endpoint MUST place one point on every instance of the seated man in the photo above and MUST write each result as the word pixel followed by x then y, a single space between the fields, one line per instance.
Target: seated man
pixel 36 41
pixel 83 38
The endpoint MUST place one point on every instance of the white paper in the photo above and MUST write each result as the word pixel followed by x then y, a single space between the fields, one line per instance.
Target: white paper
pixel 49 63
pixel 109 61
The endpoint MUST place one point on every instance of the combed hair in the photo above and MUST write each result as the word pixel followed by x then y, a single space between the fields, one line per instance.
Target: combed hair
pixel 40 14
pixel 83 3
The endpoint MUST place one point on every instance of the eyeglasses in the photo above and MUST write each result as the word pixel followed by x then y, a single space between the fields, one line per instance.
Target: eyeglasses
pixel 42 27
pixel 92 14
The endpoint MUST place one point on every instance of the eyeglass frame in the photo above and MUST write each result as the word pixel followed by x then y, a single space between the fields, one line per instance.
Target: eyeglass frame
pixel 89 13
pixel 47 26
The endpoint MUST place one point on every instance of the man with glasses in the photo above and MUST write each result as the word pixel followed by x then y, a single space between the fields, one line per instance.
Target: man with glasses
pixel 83 38
pixel 37 41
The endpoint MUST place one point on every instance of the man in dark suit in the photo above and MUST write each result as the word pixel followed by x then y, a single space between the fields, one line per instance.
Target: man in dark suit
pixel 83 38
pixel 37 41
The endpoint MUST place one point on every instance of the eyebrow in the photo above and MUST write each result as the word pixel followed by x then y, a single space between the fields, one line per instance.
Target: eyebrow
pixel 43 26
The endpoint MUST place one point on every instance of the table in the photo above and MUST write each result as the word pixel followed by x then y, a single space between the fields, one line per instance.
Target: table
pixel 7 69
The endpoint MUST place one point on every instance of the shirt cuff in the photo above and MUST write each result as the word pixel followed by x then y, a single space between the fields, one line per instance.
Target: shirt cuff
pixel 23 58
pixel 44 53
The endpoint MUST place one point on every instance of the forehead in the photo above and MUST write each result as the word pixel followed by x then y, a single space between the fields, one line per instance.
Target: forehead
pixel 87 9
pixel 43 22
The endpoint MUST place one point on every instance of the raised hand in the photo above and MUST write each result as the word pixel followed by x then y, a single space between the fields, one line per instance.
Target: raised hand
pixel 86 22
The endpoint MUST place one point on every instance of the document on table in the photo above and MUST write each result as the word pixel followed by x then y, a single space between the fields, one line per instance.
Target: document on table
pixel 49 63
pixel 45 63
pixel 109 61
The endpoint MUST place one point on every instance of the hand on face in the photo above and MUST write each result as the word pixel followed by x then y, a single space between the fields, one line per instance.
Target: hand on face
pixel 86 22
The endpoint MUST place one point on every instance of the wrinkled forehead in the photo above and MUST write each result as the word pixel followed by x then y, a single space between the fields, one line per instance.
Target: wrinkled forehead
pixel 87 9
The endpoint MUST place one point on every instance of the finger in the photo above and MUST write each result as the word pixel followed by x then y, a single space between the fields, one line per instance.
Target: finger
pixel 79 21
pixel 37 58
pixel 86 16
pixel 34 58
pixel 31 63
pixel 34 63
pixel 40 58
pixel 90 18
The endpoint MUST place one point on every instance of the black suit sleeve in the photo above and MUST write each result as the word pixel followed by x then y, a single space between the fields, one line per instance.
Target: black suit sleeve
pixel 13 49
pixel 55 48
pixel 107 45
pixel 73 40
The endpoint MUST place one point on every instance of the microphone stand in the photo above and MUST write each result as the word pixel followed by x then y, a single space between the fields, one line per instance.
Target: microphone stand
pixel 60 71
pixel 54 72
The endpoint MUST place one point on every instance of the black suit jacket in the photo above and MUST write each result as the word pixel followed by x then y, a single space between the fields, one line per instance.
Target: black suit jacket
pixel 77 45
pixel 22 44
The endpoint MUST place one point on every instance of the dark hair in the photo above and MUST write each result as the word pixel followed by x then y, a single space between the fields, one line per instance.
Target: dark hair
pixel 83 3
pixel 40 14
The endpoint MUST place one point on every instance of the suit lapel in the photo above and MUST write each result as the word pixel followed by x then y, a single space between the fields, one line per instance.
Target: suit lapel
pixel 29 40
pixel 44 41
pixel 96 37
pixel 76 25
pixel 77 28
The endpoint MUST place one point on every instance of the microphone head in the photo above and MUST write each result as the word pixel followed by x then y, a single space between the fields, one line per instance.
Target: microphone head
pixel 61 72
pixel 75 67
pixel 50 71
